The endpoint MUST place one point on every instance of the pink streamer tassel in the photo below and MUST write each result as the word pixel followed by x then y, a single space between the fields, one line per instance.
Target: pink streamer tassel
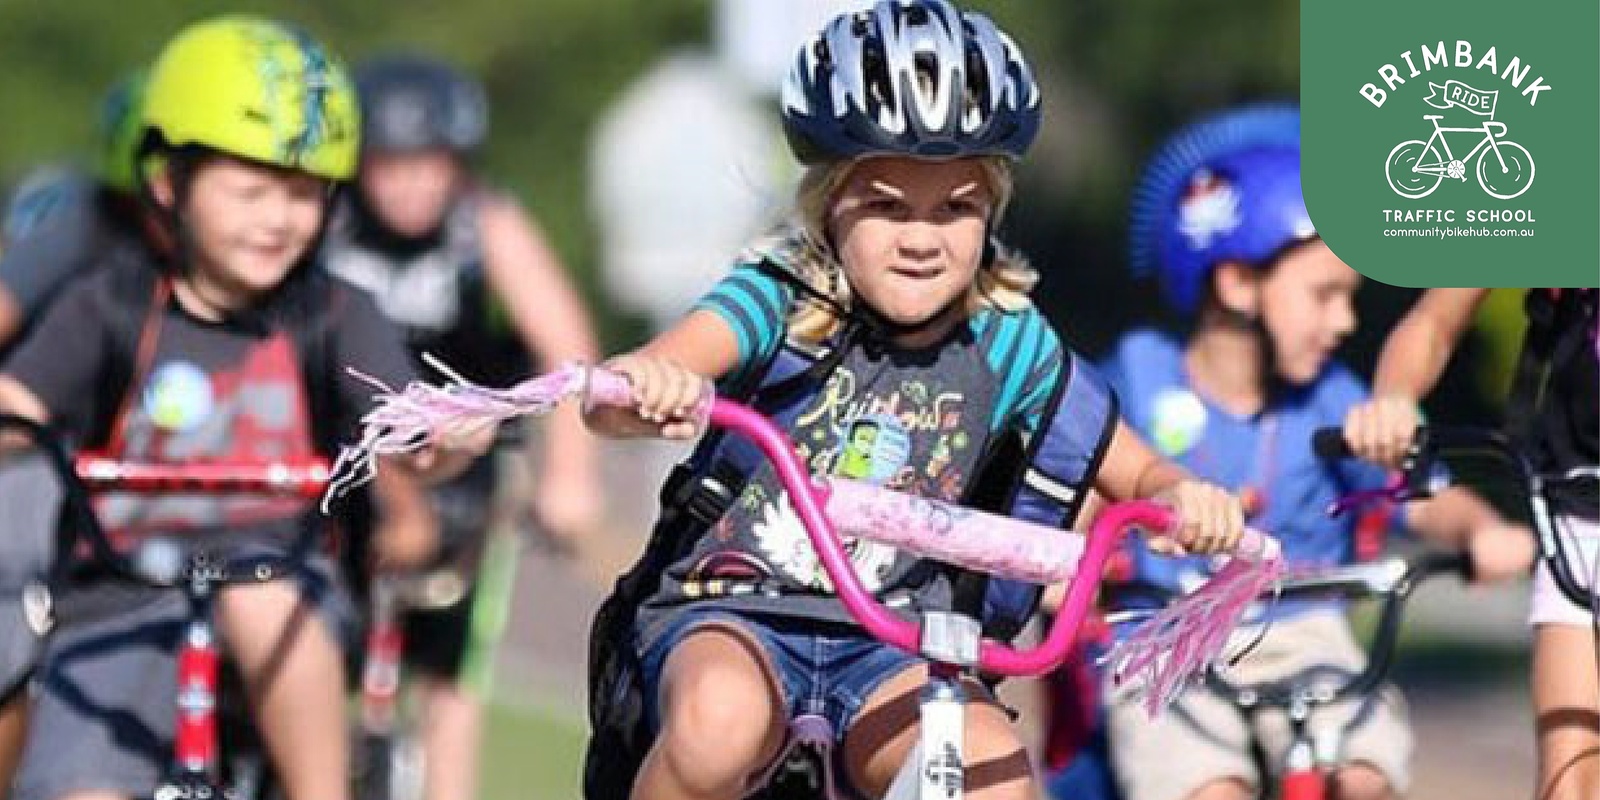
pixel 409 420
pixel 1187 637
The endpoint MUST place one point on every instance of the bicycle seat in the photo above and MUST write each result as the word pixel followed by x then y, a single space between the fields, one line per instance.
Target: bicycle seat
pixel 804 767
pixel 1433 116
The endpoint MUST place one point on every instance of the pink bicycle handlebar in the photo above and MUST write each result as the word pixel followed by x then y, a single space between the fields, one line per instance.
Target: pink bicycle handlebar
pixel 810 498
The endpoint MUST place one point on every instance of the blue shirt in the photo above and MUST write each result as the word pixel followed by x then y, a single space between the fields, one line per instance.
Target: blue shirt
pixel 1267 455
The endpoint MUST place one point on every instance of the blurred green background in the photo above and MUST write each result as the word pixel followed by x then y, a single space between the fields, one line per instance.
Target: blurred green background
pixel 1117 75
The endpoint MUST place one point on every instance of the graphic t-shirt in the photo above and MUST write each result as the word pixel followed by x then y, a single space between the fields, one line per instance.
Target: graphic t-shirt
pixel 221 391
pixel 916 421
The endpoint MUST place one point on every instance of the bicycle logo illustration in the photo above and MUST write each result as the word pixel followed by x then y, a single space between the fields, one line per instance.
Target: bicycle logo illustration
pixel 1415 168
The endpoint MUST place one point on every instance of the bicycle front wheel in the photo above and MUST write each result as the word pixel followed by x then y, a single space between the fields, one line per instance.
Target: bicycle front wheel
pixel 1402 169
pixel 1510 180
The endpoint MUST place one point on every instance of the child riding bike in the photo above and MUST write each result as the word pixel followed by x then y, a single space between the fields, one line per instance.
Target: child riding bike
pixel 437 249
pixel 1553 413
pixel 894 340
pixel 1219 221
pixel 248 127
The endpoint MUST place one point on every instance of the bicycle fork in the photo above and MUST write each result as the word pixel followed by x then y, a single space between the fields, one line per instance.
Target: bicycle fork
pixel 1302 778
pixel 194 753
pixel 380 675
pixel 1309 765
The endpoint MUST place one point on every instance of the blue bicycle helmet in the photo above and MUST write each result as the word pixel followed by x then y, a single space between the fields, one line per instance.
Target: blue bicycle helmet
pixel 413 102
pixel 909 77
pixel 1225 188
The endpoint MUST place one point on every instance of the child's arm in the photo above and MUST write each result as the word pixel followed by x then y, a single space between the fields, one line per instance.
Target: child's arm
pixel 1210 518
pixel 1412 360
pixel 668 375
pixel 18 399
pixel 406 534
pixel 1459 520
pixel 550 319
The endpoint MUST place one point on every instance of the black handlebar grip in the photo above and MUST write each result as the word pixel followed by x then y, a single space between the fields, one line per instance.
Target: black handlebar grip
pixel 1458 563
pixel 1329 444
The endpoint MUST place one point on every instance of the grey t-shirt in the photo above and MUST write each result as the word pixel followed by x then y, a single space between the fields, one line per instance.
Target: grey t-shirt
pixel 209 390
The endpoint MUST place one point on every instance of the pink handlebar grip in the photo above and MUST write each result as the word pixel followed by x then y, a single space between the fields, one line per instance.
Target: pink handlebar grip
pixel 607 388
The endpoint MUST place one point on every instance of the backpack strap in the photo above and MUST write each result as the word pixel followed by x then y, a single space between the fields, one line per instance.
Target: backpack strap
pixel 1050 481
pixel 1559 322
pixel 312 332
pixel 135 305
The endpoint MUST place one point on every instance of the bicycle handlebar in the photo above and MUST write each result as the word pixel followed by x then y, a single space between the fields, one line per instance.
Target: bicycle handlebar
pixel 809 499
pixel 307 478
pixel 1425 448
pixel 1391 580
pixel 160 564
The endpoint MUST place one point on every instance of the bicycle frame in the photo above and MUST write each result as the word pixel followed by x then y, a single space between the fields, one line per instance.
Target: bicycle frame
pixel 1439 132
pixel 195 769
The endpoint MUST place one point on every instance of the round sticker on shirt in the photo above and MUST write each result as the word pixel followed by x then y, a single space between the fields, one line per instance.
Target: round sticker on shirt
pixel 1178 419
pixel 179 396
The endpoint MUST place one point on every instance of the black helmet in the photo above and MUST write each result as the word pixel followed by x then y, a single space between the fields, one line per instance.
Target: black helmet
pixel 416 102
pixel 911 77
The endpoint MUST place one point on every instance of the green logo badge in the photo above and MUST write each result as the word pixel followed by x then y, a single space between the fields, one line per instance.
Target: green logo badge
pixel 1485 120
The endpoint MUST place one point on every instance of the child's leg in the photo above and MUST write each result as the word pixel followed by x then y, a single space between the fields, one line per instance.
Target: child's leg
pixel 722 717
pixel 105 697
pixel 292 666
pixel 1566 704
pixel 885 730
pixel 437 640
pixel 13 732
pixel 452 723
pixel 1566 691
pixel 1198 749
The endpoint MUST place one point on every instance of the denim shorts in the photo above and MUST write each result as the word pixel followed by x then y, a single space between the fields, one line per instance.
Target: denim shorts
pixel 824 669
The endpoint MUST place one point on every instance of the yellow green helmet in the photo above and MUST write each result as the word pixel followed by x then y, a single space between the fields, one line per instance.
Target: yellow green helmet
pixel 256 89
pixel 121 126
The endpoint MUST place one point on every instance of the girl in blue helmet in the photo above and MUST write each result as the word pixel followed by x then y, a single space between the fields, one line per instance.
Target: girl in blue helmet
pixel 1219 221
pixel 909 116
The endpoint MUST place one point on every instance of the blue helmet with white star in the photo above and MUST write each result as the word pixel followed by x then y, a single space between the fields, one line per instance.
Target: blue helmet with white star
pixel 1225 188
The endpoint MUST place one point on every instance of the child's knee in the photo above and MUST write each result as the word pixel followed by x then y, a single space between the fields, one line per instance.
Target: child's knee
pixel 720 722
pixel 276 636
pixel 735 710
pixel 1361 782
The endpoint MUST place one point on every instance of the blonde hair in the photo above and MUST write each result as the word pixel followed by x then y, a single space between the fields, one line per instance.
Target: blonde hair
pixel 801 245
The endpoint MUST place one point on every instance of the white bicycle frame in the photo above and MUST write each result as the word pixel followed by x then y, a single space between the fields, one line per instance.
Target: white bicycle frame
pixel 936 767
pixel 1439 132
